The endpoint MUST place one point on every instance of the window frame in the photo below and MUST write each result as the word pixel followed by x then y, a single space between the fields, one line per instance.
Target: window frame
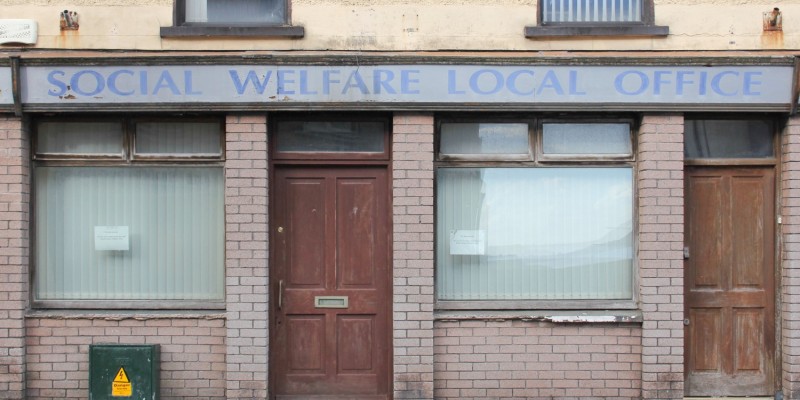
pixel 536 161
pixel 182 28
pixel 646 27
pixel 127 160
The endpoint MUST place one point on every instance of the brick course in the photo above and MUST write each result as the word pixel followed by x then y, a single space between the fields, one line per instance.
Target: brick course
pixel 412 190
pixel 246 263
pixel 660 254
pixel 790 274
pixel 192 352
pixel 536 360
pixel 14 243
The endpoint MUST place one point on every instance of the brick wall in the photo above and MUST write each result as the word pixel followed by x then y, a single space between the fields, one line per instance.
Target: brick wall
pixel 660 188
pixel 192 352
pixel 536 360
pixel 412 165
pixel 246 256
pixel 14 199
pixel 790 274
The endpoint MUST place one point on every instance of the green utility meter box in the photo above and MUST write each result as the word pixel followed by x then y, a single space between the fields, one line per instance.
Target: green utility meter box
pixel 119 371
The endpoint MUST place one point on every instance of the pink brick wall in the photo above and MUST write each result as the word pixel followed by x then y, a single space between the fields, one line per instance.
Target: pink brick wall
pixel 14 200
pixel 660 187
pixel 790 231
pixel 412 165
pixel 536 360
pixel 192 352
pixel 246 256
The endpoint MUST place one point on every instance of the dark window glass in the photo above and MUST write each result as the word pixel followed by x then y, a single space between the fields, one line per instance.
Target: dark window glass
pixel 708 138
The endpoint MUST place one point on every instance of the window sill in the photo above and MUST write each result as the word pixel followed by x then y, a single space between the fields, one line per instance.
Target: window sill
pixel 190 31
pixel 567 31
pixel 553 316
pixel 118 314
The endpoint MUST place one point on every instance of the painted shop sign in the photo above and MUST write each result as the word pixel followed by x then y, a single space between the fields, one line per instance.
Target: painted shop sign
pixel 411 84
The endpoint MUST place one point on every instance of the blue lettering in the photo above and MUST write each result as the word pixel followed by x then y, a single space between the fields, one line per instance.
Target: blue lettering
pixel 380 81
pixel 61 86
pixel 573 84
pixel 682 80
pixel 99 83
pixel 406 81
pixel 750 81
pixel 703 83
pixel 550 81
pixel 451 83
pixel 644 82
pixel 658 80
pixel 498 81
pixel 327 80
pixel 717 80
pixel 511 83
pixel 355 81
pixel 258 84
pixel 304 83
pixel 283 80
pixel 187 84
pixel 166 81
pixel 112 82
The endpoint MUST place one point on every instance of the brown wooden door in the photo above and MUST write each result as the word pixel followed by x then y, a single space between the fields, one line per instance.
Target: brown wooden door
pixel 729 281
pixel 331 232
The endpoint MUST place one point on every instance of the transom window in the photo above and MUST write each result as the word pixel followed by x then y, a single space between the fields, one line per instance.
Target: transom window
pixel 534 214
pixel 128 214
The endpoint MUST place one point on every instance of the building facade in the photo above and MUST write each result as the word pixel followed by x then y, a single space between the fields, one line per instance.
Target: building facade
pixel 475 199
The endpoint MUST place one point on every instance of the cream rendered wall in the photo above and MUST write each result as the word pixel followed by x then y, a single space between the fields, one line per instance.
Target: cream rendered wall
pixel 412 25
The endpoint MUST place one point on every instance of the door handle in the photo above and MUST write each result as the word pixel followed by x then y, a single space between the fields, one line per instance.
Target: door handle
pixel 280 294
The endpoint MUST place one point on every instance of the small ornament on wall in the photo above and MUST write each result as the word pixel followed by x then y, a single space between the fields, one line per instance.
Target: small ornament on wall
pixel 69 20
pixel 773 20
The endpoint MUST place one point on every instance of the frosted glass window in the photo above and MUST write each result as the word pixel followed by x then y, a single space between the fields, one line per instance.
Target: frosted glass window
pixel 586 139
pixel 728 139
pixel 484 138
pixel 583 11
pixel 99 138
pixel 331 136
pixel 174 218
pixel 178 138
pixel 236 11
pixel 534 233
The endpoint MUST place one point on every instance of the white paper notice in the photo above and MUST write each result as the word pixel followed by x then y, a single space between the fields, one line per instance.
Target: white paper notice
pixel 468 243
pixel 111 238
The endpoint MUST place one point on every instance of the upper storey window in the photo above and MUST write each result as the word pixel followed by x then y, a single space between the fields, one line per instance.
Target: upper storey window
pixel 566 18
pixel 236 11
pixel 243 18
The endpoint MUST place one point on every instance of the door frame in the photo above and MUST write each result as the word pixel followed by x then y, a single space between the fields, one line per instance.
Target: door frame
pixel 276 159
pixel 778 124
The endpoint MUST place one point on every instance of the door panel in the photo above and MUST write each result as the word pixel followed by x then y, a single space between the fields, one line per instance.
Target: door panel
pixel 729 281
pixel 331 239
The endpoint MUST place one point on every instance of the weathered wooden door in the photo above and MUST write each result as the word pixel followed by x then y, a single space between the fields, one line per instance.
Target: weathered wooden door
pixel 331 298
pixel 729 281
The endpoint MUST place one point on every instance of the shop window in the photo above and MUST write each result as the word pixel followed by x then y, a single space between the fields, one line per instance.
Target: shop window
pixel 596 18
pixel 534 215
pixel 128 214
pixel 232 18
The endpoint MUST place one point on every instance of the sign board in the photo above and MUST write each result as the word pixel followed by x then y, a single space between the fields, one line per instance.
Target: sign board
pixel 111 238
pixel 696 87
pixel 121 386
pixel 467 242
pixel 6 94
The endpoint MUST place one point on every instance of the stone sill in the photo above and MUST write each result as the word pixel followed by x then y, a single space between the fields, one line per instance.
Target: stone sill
pixel 582 31
pixel 553 316
pixel 199 31
pixel 121 315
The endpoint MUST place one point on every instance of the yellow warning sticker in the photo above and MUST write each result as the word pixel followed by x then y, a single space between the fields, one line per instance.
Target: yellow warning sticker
pixel 121 386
